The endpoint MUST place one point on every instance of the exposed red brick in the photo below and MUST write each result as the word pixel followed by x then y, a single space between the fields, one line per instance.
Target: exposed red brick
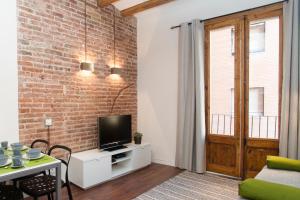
pixel 50 46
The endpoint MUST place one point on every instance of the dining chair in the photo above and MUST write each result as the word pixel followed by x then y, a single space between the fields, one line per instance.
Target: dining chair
pixel 43 145
pixel 45 184
pixel 10 192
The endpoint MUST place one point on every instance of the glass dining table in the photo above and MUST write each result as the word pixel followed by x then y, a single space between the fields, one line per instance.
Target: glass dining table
pixel 31 167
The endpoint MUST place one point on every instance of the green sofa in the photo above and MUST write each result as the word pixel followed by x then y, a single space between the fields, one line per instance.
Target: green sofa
pixel 267 185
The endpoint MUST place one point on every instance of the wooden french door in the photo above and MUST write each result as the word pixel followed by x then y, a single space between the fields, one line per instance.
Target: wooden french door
pixel 243 56
pixel 223 76
pixel 262 129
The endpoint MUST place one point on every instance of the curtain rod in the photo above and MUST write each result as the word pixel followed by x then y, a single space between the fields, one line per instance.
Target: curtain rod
pixel 203 20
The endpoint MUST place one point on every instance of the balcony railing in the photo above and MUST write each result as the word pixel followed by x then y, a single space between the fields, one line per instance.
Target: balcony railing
pixel 259 126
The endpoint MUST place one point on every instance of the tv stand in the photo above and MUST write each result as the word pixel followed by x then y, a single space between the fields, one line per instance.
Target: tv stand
pixel 115 148
pixel 93 167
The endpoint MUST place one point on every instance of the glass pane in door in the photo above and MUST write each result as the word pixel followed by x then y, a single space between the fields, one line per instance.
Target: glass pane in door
pixel 264 80
pixel 222 62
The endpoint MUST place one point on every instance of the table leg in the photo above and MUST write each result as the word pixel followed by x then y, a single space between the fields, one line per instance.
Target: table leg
pixel 58 182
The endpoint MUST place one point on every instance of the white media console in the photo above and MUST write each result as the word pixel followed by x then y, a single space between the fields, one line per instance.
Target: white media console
pixel 89 168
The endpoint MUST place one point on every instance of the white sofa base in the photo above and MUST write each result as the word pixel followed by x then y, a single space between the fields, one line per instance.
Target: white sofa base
pixel 285 177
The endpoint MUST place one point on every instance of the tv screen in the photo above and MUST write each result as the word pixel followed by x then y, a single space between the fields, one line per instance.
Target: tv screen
pixel 114 131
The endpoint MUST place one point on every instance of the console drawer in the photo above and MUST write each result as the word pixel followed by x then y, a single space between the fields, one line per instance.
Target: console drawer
pixel 96 171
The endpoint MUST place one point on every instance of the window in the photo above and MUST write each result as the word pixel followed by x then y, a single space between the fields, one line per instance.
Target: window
pixel 221 81
pixel 256 101
pixel 232 41
pixel 257 37
pixel 264 79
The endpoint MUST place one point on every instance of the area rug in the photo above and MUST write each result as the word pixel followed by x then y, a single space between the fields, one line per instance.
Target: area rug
pixel 192 186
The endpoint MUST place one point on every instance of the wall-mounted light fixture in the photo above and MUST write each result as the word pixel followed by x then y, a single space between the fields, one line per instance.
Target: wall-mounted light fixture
pixel 115 70
pixel 86 66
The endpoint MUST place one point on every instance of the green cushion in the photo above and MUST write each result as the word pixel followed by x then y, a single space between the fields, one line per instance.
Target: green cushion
pixel 261 190
pixel 275 162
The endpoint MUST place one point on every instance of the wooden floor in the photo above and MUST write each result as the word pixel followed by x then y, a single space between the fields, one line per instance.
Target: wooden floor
pixel 127 187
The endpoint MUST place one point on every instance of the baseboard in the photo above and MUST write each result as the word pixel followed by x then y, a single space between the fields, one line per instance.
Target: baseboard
pixel 163 162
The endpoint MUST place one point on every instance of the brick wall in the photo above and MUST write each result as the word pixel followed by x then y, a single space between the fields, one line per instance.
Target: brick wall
pixel 50 49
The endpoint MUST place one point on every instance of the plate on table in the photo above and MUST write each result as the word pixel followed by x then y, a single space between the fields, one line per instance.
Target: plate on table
pixel 23 148
pixel 19 166
pixel 25 156
pixel 8 162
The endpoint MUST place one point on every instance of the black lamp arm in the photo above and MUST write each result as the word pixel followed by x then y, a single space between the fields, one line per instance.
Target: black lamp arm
pixel 119 93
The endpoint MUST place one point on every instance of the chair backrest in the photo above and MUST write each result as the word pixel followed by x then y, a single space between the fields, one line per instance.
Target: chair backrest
pixel 41 144
pixel 63 154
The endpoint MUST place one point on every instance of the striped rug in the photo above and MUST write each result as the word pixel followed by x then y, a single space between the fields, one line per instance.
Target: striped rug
pixel 191 186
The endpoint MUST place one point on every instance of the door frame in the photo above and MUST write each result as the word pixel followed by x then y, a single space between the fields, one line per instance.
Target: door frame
pixel 243 84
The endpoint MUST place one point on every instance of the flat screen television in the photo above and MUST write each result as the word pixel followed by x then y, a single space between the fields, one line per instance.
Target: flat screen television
pixel 114 131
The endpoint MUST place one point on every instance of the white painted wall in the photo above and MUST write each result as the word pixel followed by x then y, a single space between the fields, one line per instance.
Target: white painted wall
pixel 158 62
pixel 121 5
pixel 9 126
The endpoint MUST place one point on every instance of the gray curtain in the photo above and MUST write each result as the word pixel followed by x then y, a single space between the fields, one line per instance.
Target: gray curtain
pixel 290 113
pixel 190 149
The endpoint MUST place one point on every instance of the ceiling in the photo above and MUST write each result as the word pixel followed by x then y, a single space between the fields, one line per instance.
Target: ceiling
pixel 124 4
pixel 131 7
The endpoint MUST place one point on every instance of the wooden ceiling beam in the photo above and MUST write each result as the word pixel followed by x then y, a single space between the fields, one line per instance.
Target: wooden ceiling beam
pixel 143 6
pixel 103 3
